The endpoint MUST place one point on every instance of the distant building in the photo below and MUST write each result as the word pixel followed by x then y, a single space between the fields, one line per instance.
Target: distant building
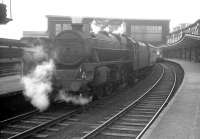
pixel 153 31
pixel 57 24
pixel 35 34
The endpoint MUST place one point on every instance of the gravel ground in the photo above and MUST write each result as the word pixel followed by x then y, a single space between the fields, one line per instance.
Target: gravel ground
pixel 104 109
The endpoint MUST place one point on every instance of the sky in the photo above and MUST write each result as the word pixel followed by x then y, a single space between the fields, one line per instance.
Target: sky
pixel 30 15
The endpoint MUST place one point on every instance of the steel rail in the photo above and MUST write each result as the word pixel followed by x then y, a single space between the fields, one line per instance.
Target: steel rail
pixel 122 112
pixel 45 125
pixel 18 117
pixel 161 108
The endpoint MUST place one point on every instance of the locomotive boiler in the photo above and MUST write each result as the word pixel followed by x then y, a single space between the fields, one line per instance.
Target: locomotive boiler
pixel 96 64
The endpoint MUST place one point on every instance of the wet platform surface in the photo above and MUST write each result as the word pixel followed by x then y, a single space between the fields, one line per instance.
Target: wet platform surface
pixel 181 118
pixel 10 84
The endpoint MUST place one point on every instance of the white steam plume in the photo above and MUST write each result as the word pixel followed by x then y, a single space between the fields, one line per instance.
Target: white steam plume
pixel 39 53
pixel 80 100
pixel 107 29
pixel 95 27
pixel 120 29
pixel 37 84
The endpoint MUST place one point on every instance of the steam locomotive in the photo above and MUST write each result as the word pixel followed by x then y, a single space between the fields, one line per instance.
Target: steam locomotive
pixel 96 64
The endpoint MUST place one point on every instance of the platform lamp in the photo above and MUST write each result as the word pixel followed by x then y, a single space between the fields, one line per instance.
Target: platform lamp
pixel 3 13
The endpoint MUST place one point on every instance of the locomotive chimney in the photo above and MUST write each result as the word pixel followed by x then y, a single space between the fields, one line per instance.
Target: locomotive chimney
pixel 77 26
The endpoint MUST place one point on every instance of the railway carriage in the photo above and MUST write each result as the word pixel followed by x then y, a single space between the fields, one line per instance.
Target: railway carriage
pixel 10 57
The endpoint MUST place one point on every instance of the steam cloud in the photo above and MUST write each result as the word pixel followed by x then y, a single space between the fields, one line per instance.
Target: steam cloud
pixel 39 53
pixel 80 100
pixel 120 30
pixel 37 84
pixel 95 27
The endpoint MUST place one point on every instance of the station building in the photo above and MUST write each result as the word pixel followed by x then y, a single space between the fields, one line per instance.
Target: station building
pixel 152 31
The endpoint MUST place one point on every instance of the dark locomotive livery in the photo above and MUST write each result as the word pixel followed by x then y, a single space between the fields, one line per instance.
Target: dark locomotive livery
pixel 95 64
pixel 184 43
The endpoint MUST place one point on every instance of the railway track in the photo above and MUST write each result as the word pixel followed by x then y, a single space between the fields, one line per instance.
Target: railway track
pixel 130 122
pixel 28 124
pixel 133 120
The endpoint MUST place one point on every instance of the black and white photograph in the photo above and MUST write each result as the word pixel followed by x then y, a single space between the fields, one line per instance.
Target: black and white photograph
pixel 99 69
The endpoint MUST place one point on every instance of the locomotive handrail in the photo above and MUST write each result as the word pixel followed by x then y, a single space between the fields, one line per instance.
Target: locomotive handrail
pixel 94 63
pixel 110 49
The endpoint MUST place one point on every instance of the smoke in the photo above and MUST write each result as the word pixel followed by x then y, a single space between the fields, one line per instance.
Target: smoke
pixel 107 29
pixel 120 29
pixel 80 100
pixel 37 84
pixel 39 53
pixel 95 27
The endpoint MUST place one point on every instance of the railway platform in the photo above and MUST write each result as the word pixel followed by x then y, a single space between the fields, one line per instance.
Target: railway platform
pixel 10 85
pixel 181 117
